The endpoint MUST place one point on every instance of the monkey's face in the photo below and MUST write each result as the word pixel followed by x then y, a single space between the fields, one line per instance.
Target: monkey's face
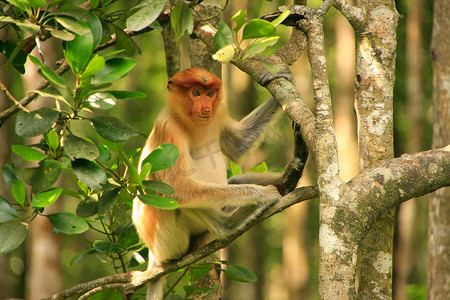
pixel 201 104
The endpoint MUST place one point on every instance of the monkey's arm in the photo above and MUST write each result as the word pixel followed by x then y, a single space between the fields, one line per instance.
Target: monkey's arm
pixel 238 137
pixel 286 181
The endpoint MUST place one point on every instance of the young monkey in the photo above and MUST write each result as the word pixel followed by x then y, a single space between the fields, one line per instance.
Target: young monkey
pixel 197 122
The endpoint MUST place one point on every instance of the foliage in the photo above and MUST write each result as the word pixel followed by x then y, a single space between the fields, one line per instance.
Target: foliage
pixel 105 173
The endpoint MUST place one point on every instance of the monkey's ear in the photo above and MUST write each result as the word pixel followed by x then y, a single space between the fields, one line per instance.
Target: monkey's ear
pixel 168 86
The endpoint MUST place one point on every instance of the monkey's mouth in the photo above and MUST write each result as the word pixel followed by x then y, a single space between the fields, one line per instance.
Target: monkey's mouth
pixel 202 118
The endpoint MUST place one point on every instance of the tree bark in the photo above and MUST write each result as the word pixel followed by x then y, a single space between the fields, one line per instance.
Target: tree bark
pixel 439 205
pixel 375 72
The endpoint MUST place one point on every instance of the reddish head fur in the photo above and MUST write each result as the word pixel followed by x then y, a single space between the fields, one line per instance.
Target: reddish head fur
pixel 196 77
pixel 194 96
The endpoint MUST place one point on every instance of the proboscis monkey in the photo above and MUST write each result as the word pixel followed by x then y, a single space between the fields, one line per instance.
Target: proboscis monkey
pixel 197 122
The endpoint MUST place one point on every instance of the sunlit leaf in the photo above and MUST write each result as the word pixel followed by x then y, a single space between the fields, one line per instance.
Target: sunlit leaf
pixel 260 46
pixel 18 191
pixel 158 201
pixel 25 25
pixel 258 28
pixel 224 54
pixel 78 51
pixel 96 63
pixel 163 157
pixel 46 198
pixel 63 35
pixel 281 18
pixel 240 18
pixel 102 100
pixel 28 153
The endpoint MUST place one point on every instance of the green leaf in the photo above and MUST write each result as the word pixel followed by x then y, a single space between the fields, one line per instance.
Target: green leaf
pixel 158 201
pixel 104 153
pixel 87 208
pixel 235 168
pixel 46 198
pixel 37 4
pixel 28 153
pixel 52 76
pixel 127 95
pixel 258 28
pixel 261 168
pixel 107 200
pixel 63 35
pixel 52 140
pixel 78 51
pixel 25 25
pixel 240 18
pixel 89 173
pixel 114 69
pixel 113 129
pixel 159 187
pixel 260 46
pixel 22 4
pixel 81 255
pixel 77 147
pixel 73 25
pixel 18 192
pixel 145 170
pixel 9 173
pixel 7 211
pixel 182 20
pixel 95 64
pixel 163 157
pixel 102 100
pixel 108 247
pixel 36 122
pixel 11 236
pixel 281 18
pixel 146 15
pixel 239 273
pixel 46 175
pixel 68 223
pixel 223 37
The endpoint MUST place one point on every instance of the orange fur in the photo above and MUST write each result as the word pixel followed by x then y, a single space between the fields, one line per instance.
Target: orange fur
pixel 194 120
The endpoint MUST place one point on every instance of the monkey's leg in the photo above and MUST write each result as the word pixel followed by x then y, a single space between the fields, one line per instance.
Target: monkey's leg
pixel 286 181
pixel 294 170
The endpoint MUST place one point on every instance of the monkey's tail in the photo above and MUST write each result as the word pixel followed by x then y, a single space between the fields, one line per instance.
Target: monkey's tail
pixel 155 289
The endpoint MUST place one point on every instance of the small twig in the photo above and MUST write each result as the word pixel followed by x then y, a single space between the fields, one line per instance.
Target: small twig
pixel 11 97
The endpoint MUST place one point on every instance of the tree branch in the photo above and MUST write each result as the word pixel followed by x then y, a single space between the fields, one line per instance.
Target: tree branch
pixel 381 188
pixel 130 281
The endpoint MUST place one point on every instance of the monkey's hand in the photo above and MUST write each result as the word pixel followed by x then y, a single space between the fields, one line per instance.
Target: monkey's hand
pixel 273 72
pixel 294 170
pixel 271 194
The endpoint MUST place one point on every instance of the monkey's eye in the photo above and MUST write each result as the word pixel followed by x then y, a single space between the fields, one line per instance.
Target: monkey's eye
pixel 210 93
pixel 195 93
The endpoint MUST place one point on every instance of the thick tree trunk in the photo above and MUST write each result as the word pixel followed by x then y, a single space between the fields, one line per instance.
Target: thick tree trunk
pixel 439 206
pixel 375 69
